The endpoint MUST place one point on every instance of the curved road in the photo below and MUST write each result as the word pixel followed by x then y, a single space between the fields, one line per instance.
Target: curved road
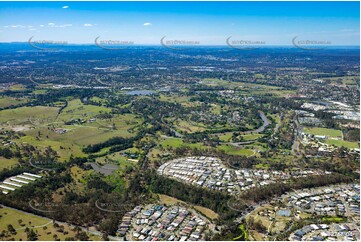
pixel 266 122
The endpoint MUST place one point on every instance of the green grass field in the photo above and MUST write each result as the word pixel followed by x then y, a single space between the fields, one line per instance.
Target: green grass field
pixel 334 137
pixel 229 149
pixel 40 91
pixel 216 109
pixel 177 142
pixel 7 163
pixel 345 80
pixel 172 142
pixel 121 122
pixel 76 109
pixel 215 82
pixel 85 135
pixel 65 153
pixel 340 143
pixel 227 137
pixel 334 219
pixel 248 137
pixel 17 87
pixel 187 126
pixel 183 100
pixel 323 131
pixel 12 216
pixel 8 101
pixel 232 150
pixel 72 141
pixel 37 114
pixel 78 136
pixel 42 119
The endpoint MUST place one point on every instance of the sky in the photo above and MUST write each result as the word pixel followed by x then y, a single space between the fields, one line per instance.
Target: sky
pixel 207 23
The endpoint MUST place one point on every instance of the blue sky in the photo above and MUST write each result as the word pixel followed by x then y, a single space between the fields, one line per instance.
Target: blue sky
pixel 209 23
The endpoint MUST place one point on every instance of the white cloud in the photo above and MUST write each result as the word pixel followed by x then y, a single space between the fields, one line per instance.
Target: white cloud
pixel 147 24
pixel 52 25
pixel 18 26
pixel 42 25
pixel 65 7
pixel 88 25
pixel 32 29
pixel 64 25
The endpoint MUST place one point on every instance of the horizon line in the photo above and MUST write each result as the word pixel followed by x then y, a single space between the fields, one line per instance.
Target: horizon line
pixel 199 45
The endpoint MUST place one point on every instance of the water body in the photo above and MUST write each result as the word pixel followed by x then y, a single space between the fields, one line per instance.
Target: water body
pixel 140 92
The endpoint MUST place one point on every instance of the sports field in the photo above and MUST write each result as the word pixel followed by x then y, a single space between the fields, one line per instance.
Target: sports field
pixel 323 131
pixel 340 143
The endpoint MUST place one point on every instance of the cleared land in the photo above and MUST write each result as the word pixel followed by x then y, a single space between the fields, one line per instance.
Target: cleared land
pixel 227 137
pixel 207 212
pixel 29 115
pixel 187 126
pixel 171 201
pixel 232 150
pixel 9 101
pixel 79 135
pixel 76 109
pixel 229 149
pixel 167 200
pixel 42 226
pixel 177 142
pixel 7 163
